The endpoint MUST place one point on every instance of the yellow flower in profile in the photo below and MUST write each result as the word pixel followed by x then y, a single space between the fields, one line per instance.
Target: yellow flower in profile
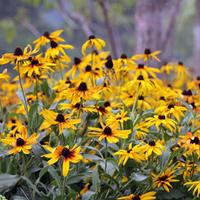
pixel 164 179
pixel 195 186
pixel 19 56
pixel 146 196
pixel 47 37
pixel 167 68
pixel 57 49
pixel 136 153
pixel 93 42
pixel 147 55
pixel 4 76
pixel 21 142
pixel 109 132
pixel 156 147
pixel 69 155
pixel 58 119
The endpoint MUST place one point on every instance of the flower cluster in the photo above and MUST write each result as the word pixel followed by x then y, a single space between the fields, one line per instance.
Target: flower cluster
pixel 98 127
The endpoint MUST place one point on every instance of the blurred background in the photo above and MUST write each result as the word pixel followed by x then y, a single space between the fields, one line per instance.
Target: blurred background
pixel 128 26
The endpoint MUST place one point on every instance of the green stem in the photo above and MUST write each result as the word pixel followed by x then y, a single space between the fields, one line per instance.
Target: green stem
pixel 23 93
pixel 106 154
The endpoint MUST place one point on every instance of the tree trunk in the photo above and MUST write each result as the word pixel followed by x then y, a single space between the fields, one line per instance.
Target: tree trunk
pixel 197 40
pixel 148 18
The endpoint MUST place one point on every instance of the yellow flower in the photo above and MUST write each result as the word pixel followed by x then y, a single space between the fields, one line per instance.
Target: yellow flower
pixel 36 66
pixel 93 42
pixel 146 196
pixel 4 76
pixel 136 153
pixel 21 142
pixel 81 90
pixel 172 110
pixel 58 119
pixel 19 56
pixel 109 132
pixel 161 120
pixel 47 37
pixel 56 49
pixel 68 154
pixel 153 147
pixel 147 55
pixel 195 185
pixel 164 179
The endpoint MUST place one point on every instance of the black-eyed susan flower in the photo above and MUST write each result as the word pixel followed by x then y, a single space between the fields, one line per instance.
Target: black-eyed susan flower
pixel 146 196
pixel 19 56
pixel 148 54
pixel 67 154
pixel 134 152
pixel 82 90
pixel 21 142
pixel 93 42
pixel 161 120
pixel 47 37
pixel 164 179
pixel 195 186
pixel 156 147
pixel 58 119
pixel 56 49
pixel 36 65
pixel 110 133
pixel 172 110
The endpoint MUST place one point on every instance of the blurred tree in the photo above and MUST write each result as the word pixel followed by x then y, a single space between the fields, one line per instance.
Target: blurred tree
pixel 196 63
pixel 152 31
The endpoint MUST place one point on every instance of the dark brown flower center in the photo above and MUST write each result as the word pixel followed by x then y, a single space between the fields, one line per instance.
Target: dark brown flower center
pixel 162 98
pixel 170 106
pixel 88 68
pixel 53 44
pixel 147 51
pixel 91 37
pixel 163 178
pixel 77 60
pixel 77 105
pixel 46 34
pixel 161 117
pixel 136 197
pixel 152 143
pixel 140 78
pixel 82 87
pixel 194 140
pixel 124 56
pixel 107 130
pixel 187 93
pixel 141 97
pixel 180 63
pixel 101 109
pixel 106 104
pixel 18 52
pixel 66 153
pixel 109 63
pixel 34 62
pixel 198 78
pixel 140 66
pixel 60 118
pixel 20 142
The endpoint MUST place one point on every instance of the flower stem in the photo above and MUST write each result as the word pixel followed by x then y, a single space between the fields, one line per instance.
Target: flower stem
pixel 23 93
pixel 106 154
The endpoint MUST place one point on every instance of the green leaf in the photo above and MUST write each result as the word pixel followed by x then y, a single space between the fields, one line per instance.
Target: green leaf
pixel 7 182
pixel 95 180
